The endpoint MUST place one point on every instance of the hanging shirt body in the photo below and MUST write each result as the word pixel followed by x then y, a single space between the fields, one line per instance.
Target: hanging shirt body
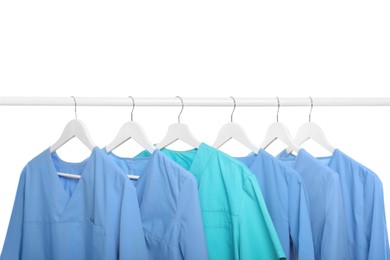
pixel 287 203
pixel 169 205
pixel 364 207
pixel 94 217
pixel 325 205
pixel 236 221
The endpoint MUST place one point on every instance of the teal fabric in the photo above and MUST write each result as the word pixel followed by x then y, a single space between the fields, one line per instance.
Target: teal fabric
pixel 236 221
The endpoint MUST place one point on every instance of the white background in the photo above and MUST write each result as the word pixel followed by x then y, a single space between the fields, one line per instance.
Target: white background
pixel 192 48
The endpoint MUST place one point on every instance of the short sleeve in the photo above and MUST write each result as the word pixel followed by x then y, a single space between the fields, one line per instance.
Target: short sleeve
pixel 299 220
pixel 131 238
pixel 257 235
pixel 334 239
pixel 192 236
pixel 376 220
pixel 12 248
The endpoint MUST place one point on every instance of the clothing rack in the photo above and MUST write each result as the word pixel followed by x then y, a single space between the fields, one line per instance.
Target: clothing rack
pixel 194 101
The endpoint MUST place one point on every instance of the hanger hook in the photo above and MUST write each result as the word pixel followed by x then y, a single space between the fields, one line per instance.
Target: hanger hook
pixel 234 108
pixel 311 108
pixel 132 110
pixel 277 113
pixel 182 107
pixel 75 106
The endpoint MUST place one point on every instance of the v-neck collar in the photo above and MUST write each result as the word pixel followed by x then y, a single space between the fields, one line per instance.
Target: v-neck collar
pixel 329 159
pixel 145 172
pixel 199 161
pixel 284 156
pixel 200 158
pixel 251 159
pixel 65 200
pixel 296 159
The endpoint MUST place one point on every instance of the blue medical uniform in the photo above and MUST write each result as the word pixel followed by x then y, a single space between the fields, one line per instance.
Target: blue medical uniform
pixel 325 204
pixel 362 193
pixel 61 218
pixel 169 204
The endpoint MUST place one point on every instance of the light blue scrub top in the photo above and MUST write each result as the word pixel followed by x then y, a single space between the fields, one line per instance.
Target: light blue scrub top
pixel 287 203
pixel 169 204
pixel 364 207
pixel 94 217
pixel 325 204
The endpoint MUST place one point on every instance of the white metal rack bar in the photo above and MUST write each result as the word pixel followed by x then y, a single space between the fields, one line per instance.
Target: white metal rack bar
pixel 194 101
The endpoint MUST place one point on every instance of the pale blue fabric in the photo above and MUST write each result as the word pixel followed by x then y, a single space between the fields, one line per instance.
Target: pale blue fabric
pixel 287 203
pixel 325 204
pixel 169 204
pixel 364 207
pixel 94 217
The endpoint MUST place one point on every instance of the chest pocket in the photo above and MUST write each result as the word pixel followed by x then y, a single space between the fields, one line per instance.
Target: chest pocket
pixel 219 229
pixel 95 238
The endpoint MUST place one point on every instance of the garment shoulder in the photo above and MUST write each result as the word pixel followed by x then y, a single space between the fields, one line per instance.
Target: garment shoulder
pixel 238 178
pixel 355 166
pixel 37 160
pixel 233 164
pixel 108 170
pixel 289 173
pixel 173 173
pixel 328 173
pixel 36 165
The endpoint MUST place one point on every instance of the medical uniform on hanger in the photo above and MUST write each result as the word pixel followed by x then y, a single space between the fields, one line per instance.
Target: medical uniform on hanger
pixel 169 205
pixel 362 193
pixel 94 217
pixel 326 207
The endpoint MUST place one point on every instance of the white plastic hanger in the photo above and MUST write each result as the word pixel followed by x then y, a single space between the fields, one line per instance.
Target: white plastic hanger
pixel 279 131
pixel 235 131
pixel 75 128
pixel 178 131
pixel 311 130
pixel 131 130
